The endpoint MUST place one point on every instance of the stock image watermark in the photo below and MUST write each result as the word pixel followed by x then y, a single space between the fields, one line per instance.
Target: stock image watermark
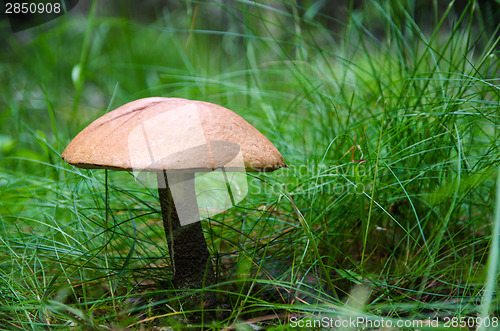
pixel 204 177
pixel 367 323
pixel 321 179
pixel 207 177
pixel 25 15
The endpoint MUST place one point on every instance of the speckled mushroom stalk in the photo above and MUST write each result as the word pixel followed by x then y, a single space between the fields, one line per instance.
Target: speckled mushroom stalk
pixel 175 138
pixel 188 249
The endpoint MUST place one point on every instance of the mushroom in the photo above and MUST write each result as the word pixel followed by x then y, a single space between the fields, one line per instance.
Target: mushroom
pixel 176 138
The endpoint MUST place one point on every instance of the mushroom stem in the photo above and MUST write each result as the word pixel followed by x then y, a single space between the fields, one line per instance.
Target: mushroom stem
pixel 187 246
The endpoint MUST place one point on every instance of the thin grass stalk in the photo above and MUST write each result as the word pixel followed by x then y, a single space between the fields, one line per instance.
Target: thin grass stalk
pixel 490 289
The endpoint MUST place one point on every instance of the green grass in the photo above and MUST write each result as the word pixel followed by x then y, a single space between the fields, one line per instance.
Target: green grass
pixel 388 120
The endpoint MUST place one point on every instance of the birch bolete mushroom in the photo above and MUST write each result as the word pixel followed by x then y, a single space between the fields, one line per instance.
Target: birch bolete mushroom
pixel 175 138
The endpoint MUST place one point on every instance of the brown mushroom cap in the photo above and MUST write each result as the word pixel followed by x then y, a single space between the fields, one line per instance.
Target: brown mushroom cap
pixel 156 134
